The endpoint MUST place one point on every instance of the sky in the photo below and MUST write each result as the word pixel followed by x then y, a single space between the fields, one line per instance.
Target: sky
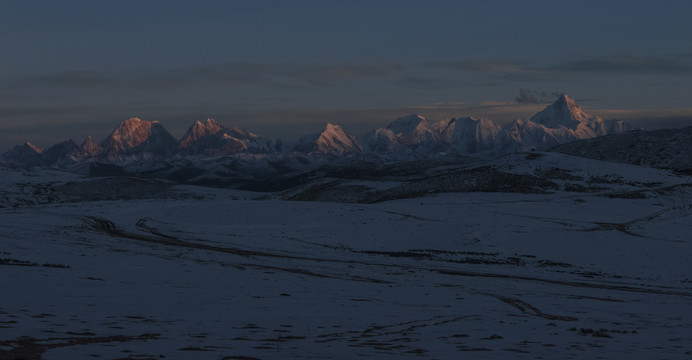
pixel 69 69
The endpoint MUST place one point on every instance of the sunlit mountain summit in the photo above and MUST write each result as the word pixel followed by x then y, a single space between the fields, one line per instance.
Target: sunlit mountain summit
pixel 406 138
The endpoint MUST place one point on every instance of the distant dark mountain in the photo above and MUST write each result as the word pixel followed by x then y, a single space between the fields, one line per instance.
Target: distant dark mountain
pixel 60 153
pixel 671 148
pixel 27 154
pixel 616 126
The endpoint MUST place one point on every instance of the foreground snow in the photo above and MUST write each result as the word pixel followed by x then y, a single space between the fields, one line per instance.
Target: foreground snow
pixel 201 273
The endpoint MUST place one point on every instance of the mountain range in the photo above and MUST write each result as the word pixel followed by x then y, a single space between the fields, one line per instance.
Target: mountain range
pixel 407 138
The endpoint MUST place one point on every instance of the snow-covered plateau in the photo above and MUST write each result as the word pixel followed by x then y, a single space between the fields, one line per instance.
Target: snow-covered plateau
pixel 559 257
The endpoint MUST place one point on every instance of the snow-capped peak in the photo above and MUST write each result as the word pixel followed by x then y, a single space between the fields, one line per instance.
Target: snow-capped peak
pixel 332 130
pixel 565 112
pixel 135 138
pixel 333 140
pixel 469 135
pixel 199 130
pixel 408 137
pixel 209 138
pixel 407 124
pixel 566 100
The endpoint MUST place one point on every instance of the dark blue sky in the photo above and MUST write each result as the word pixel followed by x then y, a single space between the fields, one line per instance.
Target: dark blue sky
pixel 281 68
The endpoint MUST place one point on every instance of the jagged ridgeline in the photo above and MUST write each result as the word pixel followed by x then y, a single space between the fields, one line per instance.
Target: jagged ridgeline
pixel 407 138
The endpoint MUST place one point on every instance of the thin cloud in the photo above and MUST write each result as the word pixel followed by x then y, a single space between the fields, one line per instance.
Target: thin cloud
pixel 442 105
pixel 488 65
pixel 536 97
pixel 677 64
pixel 158 82
pixel 497 70
pixel 626 65
pixel 437 82
pixel 75 79
pixel 232 74
pixel 316 74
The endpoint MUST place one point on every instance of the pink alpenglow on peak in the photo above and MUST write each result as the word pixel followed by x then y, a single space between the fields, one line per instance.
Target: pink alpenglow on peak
pixel 90 148
pixel 565 112
pixel 209 138
pixel 414 136
pixel 136 139
pixel 333 140
pixel 406 138
pixel 199 130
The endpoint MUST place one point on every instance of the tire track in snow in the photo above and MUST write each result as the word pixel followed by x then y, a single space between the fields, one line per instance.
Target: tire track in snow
pixel 527 308
pixel 110 228
pixel 624 227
